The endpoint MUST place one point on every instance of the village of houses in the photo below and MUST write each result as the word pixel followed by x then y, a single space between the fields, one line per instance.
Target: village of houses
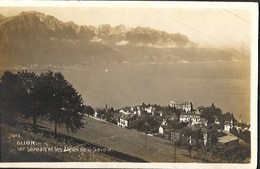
pixel 155 120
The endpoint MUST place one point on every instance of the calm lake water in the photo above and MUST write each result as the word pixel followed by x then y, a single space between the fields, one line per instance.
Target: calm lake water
pixel 227 84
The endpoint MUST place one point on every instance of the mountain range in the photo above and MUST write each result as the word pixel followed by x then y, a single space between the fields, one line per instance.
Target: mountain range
pixel 36 38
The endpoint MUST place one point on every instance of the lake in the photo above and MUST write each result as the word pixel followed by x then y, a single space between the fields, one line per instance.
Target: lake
pixel 227 84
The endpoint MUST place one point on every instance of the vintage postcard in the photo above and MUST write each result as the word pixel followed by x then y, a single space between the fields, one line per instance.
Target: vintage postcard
pixel 123 84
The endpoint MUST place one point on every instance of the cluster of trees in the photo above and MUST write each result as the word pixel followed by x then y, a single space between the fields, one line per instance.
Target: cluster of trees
pixel 232 153
pixel 212 113
pixel 108 114
pixel 147 123
pixel 150 122
pixel 47 95
pixel 244 135
pixel 168 111
pixel 88 110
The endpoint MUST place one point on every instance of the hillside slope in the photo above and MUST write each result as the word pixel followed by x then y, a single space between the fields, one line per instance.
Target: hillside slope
pixel 20 144
pixel 130 142
pixel 104 142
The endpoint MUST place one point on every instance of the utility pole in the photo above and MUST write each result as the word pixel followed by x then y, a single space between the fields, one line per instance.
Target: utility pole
pixel 145 139
pixel 174 150
pixel 175 139
pixel 145 134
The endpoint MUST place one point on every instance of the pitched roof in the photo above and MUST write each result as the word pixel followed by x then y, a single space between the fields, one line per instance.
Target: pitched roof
pixel 226 139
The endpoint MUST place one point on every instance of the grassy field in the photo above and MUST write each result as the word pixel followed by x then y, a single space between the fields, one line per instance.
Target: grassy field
pixel 12 149
pixel 124 144
pixel 130 142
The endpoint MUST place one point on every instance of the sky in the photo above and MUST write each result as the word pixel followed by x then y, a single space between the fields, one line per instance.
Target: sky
pixel 215 25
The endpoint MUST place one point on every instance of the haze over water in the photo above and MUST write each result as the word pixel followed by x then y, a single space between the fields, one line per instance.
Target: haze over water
pixel 226 84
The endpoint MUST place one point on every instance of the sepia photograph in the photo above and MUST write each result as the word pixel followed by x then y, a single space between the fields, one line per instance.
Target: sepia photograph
pixel 128 84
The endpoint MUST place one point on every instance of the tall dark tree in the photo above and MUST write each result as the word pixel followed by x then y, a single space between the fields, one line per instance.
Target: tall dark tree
pixel 34 96
pixel 19 93
pixel 9 96
pixel 30 95
pixel 63 103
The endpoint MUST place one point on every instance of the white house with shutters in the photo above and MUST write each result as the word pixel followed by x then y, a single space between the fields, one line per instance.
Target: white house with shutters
pixel 190 117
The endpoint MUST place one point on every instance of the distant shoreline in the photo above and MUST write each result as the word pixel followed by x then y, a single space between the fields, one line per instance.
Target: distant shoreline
pixel 83 65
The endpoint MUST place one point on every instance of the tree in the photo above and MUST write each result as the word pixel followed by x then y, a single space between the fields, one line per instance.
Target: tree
pixel 109 116
pixel 140 124
pixel 63 103
pixel 233 152
pixel 209 113
pixel 48 95
pixel 30 102
pixel 88 110
pixel 18 94
pixel 227 117
pixel 100 112
pixel 9 96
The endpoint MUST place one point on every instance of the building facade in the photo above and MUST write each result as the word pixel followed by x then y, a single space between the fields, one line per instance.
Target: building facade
pixel 185 106
pixel 191 117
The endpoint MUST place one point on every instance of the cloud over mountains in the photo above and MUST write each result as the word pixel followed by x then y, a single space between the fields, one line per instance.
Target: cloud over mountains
pixel 35 38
